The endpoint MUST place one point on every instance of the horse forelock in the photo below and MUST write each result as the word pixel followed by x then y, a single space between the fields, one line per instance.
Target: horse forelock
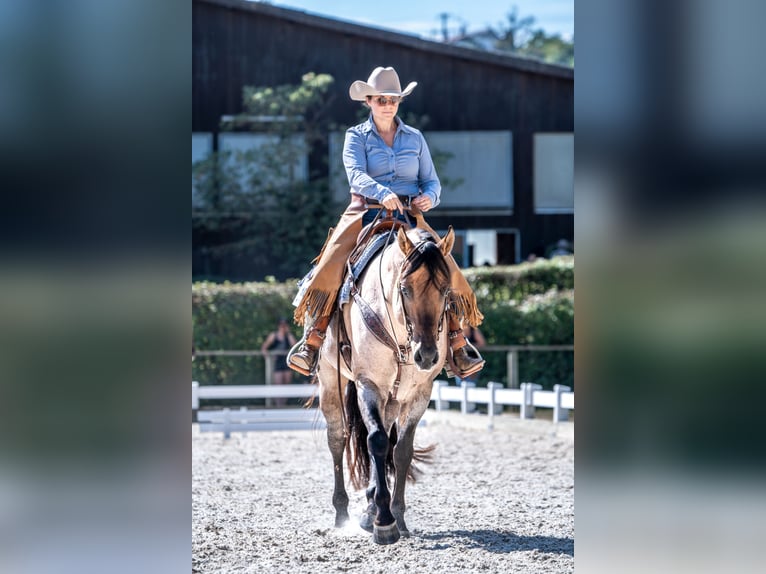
pixel 427 254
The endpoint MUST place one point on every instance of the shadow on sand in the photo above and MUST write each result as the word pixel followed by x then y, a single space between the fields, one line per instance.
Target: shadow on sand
pixel 500 541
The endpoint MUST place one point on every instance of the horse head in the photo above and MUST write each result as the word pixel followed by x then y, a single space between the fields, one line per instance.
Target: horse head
pixel 424 285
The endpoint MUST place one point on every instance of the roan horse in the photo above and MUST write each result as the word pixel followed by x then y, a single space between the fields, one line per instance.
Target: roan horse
pixel 395 328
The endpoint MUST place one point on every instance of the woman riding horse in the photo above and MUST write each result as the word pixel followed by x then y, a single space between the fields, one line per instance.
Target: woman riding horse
pixel 389 163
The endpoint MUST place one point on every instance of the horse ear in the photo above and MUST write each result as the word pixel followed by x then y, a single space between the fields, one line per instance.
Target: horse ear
pixel 446 243
pixel 404 242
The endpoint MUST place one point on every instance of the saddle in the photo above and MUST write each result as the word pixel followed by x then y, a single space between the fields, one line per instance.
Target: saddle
pixel 360 258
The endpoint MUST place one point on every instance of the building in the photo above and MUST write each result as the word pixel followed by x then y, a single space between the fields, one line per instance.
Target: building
pixel 508 121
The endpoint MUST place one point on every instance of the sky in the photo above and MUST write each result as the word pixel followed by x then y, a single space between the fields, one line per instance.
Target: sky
pixel 421 17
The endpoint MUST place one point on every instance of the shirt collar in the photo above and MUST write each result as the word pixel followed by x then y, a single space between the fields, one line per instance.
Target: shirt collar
pixel 369 126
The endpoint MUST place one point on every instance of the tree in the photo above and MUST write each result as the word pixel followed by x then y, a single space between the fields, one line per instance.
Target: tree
pixel 518 36
pixel 549 48
pixel 257 204
pixel 514 35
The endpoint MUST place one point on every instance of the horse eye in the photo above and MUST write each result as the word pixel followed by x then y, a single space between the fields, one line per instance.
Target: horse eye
pixel 405 291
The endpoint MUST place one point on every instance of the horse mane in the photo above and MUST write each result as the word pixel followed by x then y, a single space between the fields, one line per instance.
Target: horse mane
pixel 428 254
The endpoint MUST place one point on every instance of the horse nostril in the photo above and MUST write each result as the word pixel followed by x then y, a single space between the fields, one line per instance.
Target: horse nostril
pixel 426 360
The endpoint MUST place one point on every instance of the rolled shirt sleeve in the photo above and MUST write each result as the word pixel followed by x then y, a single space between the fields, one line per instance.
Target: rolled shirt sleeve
pixel 428 181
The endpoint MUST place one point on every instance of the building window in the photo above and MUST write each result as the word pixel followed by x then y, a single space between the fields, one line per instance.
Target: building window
pixel 481 247
pixel 202 147
pixel 554 173
pixel 479 165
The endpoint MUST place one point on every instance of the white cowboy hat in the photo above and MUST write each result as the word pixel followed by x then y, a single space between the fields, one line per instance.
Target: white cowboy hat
pixel 382 82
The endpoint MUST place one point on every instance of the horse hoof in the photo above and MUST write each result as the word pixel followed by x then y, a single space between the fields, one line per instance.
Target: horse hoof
pixel 385 534
pixel 367 522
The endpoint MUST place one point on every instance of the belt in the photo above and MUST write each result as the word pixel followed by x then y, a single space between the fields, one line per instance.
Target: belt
pixel 359 200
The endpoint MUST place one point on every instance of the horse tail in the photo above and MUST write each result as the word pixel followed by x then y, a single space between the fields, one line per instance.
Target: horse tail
pixel 420 455
pixel 357 455
pixel 314 380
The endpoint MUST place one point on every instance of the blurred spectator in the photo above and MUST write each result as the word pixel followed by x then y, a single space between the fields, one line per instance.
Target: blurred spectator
pixel 280 340
pixel 563 247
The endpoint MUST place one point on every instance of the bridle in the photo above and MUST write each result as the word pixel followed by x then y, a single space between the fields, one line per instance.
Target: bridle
pixel 407 260
pixel 375 324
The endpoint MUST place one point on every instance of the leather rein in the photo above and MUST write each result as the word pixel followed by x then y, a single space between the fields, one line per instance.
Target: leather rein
pixel 379 330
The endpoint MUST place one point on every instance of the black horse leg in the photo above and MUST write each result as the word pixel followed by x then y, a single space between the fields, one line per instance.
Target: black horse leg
pixel 368 517
pixel 385 530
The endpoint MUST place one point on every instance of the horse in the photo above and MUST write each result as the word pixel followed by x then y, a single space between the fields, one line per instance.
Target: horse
pixel 394 325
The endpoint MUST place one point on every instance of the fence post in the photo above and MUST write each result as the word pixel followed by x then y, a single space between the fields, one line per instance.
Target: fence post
pixel 195 400
pixel 465 406
pixel 226 423
pixel 492 407
pixel 560 414
pixel 269 361
pixel 528 405
pixel 439 403
pixel 493 386
pixel 512 365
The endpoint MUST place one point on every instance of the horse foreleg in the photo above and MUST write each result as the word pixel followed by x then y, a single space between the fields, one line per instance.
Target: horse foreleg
pixel 331 406
pixel 385 530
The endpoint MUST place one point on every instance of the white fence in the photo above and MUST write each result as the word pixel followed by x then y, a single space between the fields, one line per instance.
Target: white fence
pixel 250 392
pixel 528 397
pixel 228 420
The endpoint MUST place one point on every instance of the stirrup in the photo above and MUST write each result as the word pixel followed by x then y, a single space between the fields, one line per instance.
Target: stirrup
pixel 469 350
pixel 306 351
pixel 300 352
pixel 472 370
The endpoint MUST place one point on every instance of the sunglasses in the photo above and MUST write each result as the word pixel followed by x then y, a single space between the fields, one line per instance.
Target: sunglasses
pixel 383 101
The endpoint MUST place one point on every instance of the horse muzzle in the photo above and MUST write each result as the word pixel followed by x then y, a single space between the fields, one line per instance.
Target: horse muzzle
pixel 425 356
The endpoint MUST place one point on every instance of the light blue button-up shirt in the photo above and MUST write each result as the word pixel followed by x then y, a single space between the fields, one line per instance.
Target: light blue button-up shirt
pixel 374 170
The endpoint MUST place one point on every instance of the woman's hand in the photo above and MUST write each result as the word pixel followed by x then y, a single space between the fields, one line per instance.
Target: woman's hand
pixel 392 203
pixel 422 202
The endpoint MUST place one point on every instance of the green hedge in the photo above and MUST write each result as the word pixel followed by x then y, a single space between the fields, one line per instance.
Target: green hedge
pixel 234 317
pixel 546 319
pixel 531 303
pixel 515 282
